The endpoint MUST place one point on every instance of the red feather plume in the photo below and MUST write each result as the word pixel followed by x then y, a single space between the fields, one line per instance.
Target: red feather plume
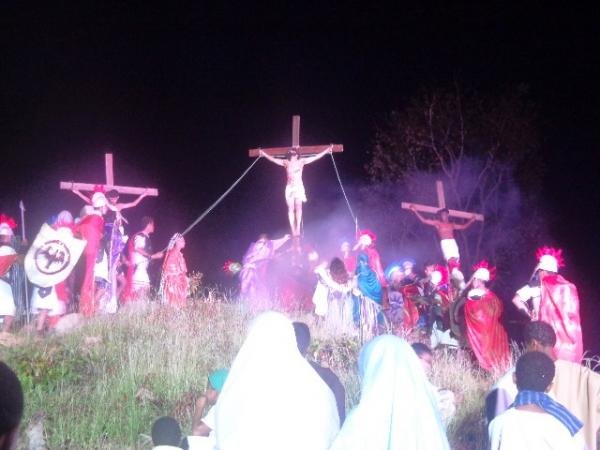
pixel 8 221
pixel 232 267
pixel 555 253
pixel 369 233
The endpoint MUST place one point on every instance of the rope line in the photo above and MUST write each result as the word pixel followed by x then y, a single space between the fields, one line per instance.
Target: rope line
pixel 219 200
pixel 337 173
pixel 241 177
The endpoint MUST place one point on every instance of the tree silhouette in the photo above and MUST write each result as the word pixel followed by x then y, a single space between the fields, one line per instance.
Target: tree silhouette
pixel 484 147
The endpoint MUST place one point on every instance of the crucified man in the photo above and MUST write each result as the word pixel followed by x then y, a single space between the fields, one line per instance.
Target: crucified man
pixel 445 230
pixel 295 194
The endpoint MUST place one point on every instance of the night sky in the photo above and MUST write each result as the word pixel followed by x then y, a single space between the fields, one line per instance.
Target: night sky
pixel 180 93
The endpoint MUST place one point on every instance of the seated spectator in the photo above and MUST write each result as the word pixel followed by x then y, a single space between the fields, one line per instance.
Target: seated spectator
pixel 203 436
pixel 575 386
pixel 273 399
pixel 445 397
pixel 397 408
pixel 303 340
pixel 11 407
pixel 535 420
pixel 166 434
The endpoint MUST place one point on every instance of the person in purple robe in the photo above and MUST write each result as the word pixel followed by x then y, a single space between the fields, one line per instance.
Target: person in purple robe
pixel 253 276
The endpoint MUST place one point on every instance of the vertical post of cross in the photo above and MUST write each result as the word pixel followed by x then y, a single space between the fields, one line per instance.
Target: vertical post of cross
pixel 439 186
pixel 110 176
pixel 295 131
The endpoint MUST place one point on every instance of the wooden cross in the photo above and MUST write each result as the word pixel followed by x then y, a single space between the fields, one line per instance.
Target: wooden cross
pixel 305 150
pixel 110 182
pixel 441 205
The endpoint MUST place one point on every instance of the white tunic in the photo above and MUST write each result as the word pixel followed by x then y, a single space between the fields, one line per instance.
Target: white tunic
pixel 525 430
pixel 141 262
pixel 50 302
pixel 7 301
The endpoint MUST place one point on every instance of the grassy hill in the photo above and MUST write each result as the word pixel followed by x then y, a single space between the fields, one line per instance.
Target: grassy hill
pixel 102 385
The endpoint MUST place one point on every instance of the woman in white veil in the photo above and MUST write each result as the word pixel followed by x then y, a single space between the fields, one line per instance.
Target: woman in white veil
pixel 273 399
pixel 397 408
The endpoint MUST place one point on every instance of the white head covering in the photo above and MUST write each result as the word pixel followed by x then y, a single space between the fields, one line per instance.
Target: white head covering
pixel 436 277
pixel 98 200
pixel 6 230
pixel 482 274
pixel 548 263
pixel 397 408
pixel 273 399
pixel 365 240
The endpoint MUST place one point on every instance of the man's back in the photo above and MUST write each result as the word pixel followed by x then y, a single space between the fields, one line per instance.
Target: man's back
pixel 335 385
pixel 525 430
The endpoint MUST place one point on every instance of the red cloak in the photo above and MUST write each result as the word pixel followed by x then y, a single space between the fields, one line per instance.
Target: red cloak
pixel 559 306
pixel 90 228
pixel 411 313
pixel 5 262
pixel 485 333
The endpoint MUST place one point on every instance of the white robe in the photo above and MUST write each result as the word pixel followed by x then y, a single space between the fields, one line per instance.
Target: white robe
pixel 273 399
pixel 398 408
pixel 526 430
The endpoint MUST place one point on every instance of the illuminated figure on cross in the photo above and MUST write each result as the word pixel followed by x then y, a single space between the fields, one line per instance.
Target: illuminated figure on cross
pixel 293 159
pixel 295 194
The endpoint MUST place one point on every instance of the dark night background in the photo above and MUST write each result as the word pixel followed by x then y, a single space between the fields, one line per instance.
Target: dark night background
pixel 179 94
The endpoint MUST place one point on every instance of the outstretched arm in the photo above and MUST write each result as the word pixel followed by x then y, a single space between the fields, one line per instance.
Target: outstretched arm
pixel 121 206
pixel 82 196
pixel 465 225
pixel 279 162
pixel 312 159
pixel 279 242
pixel 421 218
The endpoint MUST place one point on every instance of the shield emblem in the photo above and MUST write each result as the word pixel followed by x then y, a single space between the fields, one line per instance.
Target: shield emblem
pixel 52 256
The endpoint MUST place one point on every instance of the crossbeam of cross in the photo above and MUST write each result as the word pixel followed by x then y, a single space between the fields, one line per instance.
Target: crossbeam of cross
pixel 439 185
pixel 301 150
pixel 110 182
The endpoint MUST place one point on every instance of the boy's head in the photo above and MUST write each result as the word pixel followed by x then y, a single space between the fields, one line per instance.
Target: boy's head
pixel 425 355
pixel 11 406
pixel 166 431
pixel 539 336
pixel 148 224
pixel 534 372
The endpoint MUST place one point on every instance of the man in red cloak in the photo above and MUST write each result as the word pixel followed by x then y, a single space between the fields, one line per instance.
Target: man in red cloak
pixel 483 310
pixel 551 298
pixel 91 228
pixel 555 301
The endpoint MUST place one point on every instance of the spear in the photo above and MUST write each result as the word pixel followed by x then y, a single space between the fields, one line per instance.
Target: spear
pixel 23 239
pixel 22 208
